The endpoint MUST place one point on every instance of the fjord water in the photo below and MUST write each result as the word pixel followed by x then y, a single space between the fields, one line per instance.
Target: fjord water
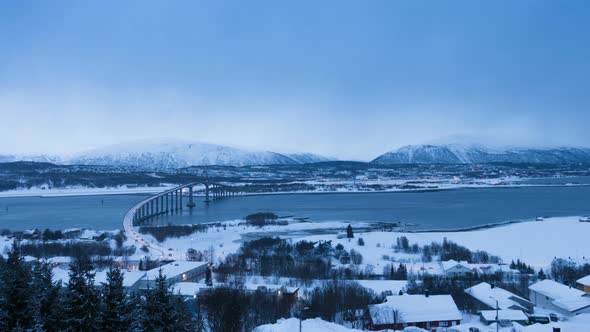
pixel 448 209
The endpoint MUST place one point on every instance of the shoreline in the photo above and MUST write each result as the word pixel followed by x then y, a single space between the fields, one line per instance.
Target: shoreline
pixel 73 192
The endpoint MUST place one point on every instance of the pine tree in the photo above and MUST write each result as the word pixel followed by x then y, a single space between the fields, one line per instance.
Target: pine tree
pixel 16 299
pixel 82 298
pixel 208 278
pixel 161 311
pixel 115 306
pixel 541 275
pixel 349 233
pixel 48 310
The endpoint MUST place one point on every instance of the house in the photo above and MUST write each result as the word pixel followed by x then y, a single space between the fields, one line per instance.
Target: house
pixel 179 271
pixel 453 267
pixel 487 295
pixel 584 284
pixel 559 298
pixel 429 312
pixel 517 316
pixel 60 261
pixel 131 279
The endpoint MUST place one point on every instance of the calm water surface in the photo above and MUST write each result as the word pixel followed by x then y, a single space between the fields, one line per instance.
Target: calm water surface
pixel 450 209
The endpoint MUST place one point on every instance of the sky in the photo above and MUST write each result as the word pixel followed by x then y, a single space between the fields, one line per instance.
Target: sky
pixel 347 79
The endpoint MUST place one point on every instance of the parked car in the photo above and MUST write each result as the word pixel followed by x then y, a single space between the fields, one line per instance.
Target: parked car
pixel 541 319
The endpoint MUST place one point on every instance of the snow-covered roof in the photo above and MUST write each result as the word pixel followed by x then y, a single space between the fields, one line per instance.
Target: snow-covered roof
pixel 129 277
pixel 447 265
pixel 174 269
pixel 187 288
pixel 414 309
pixel 584 281
pixel 572 304
pixel 555 290
pixel 490 315
pixel 60 260
pixel 484 293
pixel 568 298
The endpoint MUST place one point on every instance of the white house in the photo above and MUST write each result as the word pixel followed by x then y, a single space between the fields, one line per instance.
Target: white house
pixel 179 271
pixel 453 267
pixel 487 295
pixel 560 298
pixel 429 312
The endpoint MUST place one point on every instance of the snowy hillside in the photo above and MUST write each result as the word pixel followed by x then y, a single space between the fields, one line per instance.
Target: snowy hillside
pixel 165 154
pixel 9 158
pixel 466 154
pixel 308 158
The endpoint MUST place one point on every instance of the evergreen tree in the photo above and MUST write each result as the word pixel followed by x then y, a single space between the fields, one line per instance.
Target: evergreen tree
pixel 115 306
pixel 16 299
pixel 541 275
pixel 161 311
pixel 208 278
pixel 48 311
pixel 349 233
pixel 82 298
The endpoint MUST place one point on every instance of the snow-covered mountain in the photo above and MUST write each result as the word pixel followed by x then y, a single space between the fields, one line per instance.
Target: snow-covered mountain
pixel 8 158
pixel 166 154
pixel 308 158
pixel 466 154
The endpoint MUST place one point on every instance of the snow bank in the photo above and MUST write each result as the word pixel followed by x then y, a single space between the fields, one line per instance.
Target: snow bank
pixel 308 325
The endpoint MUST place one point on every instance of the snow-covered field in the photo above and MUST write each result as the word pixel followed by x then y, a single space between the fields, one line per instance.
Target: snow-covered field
pixel 535 242
pixel 82 191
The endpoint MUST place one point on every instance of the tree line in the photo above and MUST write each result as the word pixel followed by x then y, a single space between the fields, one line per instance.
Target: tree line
pixel 30 300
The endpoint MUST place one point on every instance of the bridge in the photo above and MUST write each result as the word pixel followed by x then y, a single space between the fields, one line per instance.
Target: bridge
pixel 172 202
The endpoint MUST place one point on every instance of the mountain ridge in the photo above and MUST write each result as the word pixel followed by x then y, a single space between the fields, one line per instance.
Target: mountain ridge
pixel 476 153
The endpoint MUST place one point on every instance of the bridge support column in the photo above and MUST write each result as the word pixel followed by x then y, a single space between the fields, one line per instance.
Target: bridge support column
pixel 191 200
pixel 206 193
pixel 167 208
pixel 180 192
pixel 157 199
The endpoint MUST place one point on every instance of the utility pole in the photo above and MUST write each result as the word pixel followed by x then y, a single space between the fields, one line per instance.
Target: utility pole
pixel 497 316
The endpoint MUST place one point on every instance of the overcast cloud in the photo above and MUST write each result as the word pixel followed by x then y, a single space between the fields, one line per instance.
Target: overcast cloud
pixel 345 79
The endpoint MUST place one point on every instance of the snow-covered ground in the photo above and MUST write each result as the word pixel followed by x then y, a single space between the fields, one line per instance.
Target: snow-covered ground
pixel 534 242
pixel 82 191
pixel 308 325
pixel 578 323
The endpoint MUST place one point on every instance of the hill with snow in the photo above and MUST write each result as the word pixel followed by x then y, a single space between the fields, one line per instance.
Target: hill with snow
pixel 167 154
pixel 467 154
pixel 9 158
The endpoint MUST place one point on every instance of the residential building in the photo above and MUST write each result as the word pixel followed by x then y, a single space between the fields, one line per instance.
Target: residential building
pixel 559 298
pixel 429 312
pixel 179 271
pixel 487 295
pixel 584 284
pixel 453 267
